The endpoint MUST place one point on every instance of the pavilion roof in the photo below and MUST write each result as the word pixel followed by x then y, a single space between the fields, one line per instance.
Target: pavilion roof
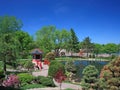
pixel 36 51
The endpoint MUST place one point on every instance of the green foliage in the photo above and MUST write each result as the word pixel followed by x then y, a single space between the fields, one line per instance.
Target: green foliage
pixel 31 86
pixel 97 48
pixel 28 65
pixel 87 46
pixel 70 70
pixel 110 48
pixel 49 38
pixel 73 43
pixel 1 73
pixel 54 67
pixel 9 24
pixel 50 56
pixel 25 78
pixel 70 66
pixel 22 62
pixel 111 76
pixel 90 75
pixel 25 41
pixel 9 45
pixel 44 38
pixel 45 81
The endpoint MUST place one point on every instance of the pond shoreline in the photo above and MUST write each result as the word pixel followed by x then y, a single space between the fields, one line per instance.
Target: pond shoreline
pixel 80 59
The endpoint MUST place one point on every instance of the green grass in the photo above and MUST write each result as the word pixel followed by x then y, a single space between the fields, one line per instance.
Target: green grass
pixel 29 86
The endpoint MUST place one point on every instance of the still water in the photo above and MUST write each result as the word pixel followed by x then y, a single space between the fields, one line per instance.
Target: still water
pixel 81 64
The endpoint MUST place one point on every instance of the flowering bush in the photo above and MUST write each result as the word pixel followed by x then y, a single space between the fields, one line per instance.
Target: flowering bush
pixel 11 81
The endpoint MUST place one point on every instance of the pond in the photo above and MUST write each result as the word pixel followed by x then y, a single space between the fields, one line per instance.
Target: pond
pixel 81 64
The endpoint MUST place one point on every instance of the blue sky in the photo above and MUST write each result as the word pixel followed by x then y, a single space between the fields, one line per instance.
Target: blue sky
pixel 98 19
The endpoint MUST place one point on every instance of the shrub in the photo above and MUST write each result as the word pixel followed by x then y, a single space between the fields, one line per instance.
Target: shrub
pixel 28 65
pixel 70 70
pixel 50 56
pixel 111 75
pixel 25 78
pixel 54 67
pixel 70 66
pixel 46 81
pixel 21 62
pixel 12 81
pixel 90 75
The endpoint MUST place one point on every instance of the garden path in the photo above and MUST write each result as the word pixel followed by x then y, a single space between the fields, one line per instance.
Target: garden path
pixel 44 72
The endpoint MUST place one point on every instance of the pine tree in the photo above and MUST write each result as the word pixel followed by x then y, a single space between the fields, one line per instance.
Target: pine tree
pixel 89 80
pixel 74 41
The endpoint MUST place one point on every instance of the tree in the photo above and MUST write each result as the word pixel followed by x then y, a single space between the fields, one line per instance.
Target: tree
pixel 25 41
pixel 118 49
pixel 110 75
pixel 97 48
pixel 87 46
pixel 110 48
pixel 89 80
pixel 45 38
pixel 9 24
pixel 49 38
pixel 74 41
pixel 8 43
pixel 62 39
pixel 60 77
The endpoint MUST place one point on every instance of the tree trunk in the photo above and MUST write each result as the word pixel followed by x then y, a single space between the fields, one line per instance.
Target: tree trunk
pixel 60 86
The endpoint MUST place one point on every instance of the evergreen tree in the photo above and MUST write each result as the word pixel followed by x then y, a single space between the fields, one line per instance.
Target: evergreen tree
pixel 89 80
pixel 74 43
pixel 87 46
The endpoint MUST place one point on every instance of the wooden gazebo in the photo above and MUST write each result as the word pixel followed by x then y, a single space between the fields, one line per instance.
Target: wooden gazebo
pixel 37 54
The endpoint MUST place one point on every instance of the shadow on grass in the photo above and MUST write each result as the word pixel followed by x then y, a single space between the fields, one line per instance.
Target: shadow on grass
pixel 8 88
pixel 16 72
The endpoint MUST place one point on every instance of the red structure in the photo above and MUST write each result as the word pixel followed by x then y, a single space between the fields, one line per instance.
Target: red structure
pixel 37 54
pixel 37 58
